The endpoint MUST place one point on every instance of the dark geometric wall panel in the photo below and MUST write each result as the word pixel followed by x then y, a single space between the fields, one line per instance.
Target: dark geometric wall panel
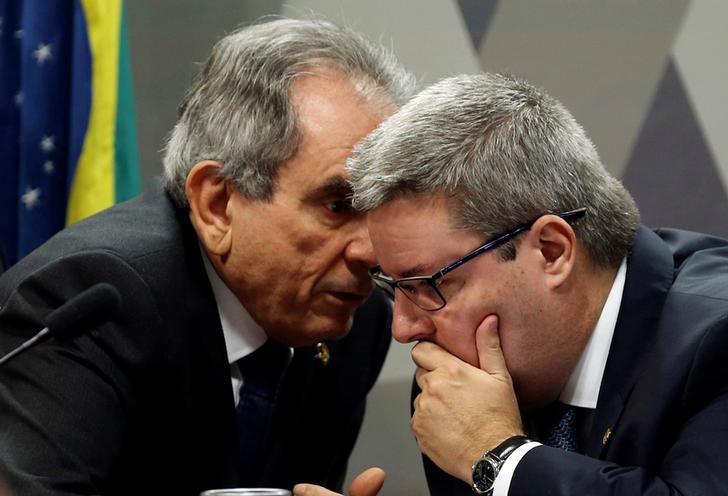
pixel 477 15
pixel 671 173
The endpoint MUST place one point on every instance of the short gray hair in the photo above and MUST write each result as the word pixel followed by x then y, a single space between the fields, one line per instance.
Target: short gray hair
pixel 504 153
pixel 238 112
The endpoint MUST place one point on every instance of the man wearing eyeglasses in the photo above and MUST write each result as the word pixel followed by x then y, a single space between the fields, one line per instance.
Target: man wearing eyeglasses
pixel 563 348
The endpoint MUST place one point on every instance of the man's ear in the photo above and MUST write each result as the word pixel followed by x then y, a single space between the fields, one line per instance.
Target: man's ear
pixel 209 199
pixel 555 242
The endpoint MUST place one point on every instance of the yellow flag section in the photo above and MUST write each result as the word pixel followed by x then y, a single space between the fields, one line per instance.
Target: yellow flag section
pixel 110 134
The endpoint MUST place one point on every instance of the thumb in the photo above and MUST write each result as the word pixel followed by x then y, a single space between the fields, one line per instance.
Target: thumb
pixel 368 483
pixel 487 342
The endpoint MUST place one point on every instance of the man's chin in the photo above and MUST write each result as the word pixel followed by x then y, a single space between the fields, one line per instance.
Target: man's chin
pixel 333 326
pixel 334 302
pixel 318 328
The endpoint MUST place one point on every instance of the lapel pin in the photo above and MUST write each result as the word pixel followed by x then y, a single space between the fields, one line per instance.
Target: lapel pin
pixel 323 354
pixel 606 436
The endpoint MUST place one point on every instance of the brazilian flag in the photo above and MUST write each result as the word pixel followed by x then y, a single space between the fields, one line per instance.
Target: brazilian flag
pixel 67 131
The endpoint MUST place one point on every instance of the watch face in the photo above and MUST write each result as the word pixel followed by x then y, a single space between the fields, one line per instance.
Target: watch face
pixel 484 474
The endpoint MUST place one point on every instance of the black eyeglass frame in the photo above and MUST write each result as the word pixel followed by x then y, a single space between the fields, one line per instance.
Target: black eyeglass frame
pixel 389 285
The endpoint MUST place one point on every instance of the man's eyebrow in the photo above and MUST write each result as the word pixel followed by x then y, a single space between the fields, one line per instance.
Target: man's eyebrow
pixel 334 186
pixel 417 270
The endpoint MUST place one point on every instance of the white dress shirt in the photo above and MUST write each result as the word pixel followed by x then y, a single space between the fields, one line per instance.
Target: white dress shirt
pixel 242 334
pixel 582 388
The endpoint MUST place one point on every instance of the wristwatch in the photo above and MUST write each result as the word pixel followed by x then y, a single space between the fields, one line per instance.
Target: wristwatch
pixel 486 469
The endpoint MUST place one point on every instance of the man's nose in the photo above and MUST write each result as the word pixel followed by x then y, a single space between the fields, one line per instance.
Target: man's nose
pixel 409 322
pixel 360 248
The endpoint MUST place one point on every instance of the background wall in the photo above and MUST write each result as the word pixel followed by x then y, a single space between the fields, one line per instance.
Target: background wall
pixel 646 79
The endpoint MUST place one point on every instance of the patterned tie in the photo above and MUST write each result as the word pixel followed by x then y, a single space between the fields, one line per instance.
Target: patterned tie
pixel 262 372
pixel 562 430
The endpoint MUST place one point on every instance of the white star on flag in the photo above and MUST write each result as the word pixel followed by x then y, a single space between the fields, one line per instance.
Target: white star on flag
pixel 18 34
pixel 19 98
pixel 47 144
pixel 49 167
pixel 31 197
pixel 42 53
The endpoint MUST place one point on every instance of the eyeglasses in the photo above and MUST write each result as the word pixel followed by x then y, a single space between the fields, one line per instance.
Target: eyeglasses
pixel 424 291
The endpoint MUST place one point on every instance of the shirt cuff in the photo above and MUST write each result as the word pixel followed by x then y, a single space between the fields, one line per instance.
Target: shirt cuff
pixel 503 479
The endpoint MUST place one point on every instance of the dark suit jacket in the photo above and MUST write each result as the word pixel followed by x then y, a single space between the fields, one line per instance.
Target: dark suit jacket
pixel 143 403
pixel 664 395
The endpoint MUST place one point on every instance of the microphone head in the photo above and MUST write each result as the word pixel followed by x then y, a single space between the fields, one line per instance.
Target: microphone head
pixel 88 309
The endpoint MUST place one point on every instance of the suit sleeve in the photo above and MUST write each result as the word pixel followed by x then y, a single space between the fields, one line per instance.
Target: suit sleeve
pixel 65 406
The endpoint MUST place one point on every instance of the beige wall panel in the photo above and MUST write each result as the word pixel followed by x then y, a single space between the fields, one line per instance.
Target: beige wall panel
pixel 700 52
pixel 602 59
pixel 429 36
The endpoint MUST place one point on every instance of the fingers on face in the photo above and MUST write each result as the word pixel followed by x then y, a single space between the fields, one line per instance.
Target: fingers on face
pixel 419 374
pixel 421 354
pixel 487 342
pixel 430 356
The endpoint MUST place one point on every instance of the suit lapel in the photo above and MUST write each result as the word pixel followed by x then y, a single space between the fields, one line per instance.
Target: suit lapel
pixel 650 273
pixel 290 404
pixel 201 358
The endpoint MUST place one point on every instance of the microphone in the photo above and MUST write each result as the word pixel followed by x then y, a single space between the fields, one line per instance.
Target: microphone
pixel 86 310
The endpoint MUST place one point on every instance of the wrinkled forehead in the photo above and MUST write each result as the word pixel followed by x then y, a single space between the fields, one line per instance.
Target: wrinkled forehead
pixel 414 234
pixel 417 212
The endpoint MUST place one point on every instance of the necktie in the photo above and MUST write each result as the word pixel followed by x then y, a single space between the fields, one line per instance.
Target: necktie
pixel 561 428
pixel 262 372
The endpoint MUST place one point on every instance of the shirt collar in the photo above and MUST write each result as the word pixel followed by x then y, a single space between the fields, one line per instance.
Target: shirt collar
pixel 242 334
pixel 582 389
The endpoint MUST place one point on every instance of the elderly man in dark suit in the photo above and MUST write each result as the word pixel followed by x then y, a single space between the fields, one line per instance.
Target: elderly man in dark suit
pixel 238 356
pixel 563 348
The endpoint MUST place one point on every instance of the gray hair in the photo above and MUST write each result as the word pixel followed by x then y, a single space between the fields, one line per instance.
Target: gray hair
pixel 238 112
pixel 504 153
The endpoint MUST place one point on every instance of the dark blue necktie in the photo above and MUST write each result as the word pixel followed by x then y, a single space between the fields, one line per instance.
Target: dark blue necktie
pixel 561 427
pixel 262 372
